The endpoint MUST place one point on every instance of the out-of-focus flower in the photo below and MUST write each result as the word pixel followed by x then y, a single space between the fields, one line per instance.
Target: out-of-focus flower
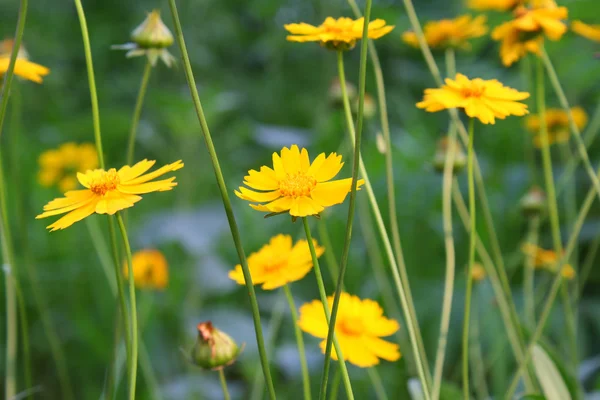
pixel 6 47
pixel 150 269
pixel 495 5
pixel 453 33
pixel 337 34
pixel 278 263
pixel 214 348
pixel 60 166
pixel 533 202
pixel 370 107
pixel 151 38
pixel 107 192
pixel 23 68
pixel 482 99
pixel 295 185
pixel 359 326
pixel 444 145
pixel 557 123
pixel 591 32
pixel 547 259
pixel 478 272
pixel 335 92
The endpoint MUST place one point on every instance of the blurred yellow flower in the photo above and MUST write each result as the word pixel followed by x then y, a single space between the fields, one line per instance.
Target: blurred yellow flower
pixel 150 269
pixel 337 34
pixel 296 185
pixel 547 259
pixel 525 33
pixel 495 5
pixel 359 326
pixel 450 32
pixel 23 68
pixel 107 192
pixel 478 272
pixel 591 32
pixel 486 100
pixel 557 122
pixel 60 166
pixel 278 263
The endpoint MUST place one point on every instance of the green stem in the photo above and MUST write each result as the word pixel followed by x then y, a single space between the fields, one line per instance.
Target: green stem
pixel 477 358
pixel 225 198
pixel 133 310
pixel 299 341
pixel 587 265
pixel 335 384
pixel 378 386
pixel 137 112
pixel 323 296
pixel 223 384
pixel 25 335
pixel 529 272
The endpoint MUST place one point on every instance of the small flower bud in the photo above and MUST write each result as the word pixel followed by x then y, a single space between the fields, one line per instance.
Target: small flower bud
pixel 439 159
pixel 370 108
pixel 152 33
pixel 477 272
pixel 335 92
pixel 533 202
pixel 381 143
pixel 568 272
pixel 214 349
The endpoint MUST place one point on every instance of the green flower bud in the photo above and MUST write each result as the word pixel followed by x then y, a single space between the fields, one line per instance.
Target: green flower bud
pixel 533 202
pixel 439 159
pixel 152 33
pixel 214 349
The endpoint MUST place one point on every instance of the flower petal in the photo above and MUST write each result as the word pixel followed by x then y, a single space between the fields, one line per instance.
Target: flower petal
pixel 128 173
pixel 114 201
pixel 334 192
pixel 74 216
pixel 161 171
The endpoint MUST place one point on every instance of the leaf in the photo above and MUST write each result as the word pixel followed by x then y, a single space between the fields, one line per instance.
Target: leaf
pixel 553 385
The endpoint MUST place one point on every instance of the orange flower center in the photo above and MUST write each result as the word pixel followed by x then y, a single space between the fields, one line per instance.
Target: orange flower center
pixel 297 185
pixel 350 327
pixel 106 182
pixel 473 91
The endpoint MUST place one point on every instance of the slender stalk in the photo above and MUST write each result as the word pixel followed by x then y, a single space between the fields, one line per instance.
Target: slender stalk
pixel 335 384
pixel 323 296
pixel 225 198
pixel 529 272
pixel 133 309
pixel 477 358
pixel 378 386
pixel 223 384
pixel 137 112
pixel 24 323
pixel 587 265
pixel 299 342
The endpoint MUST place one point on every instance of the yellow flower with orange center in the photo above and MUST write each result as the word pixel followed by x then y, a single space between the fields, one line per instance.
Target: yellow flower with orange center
pixel 483 99
pixel 547 259
pixel 296 185
pixel 23 68
pixel 338 34
pixel 150 269
pixel 278 263
pixel 450 32
pixel 107 192
pixel 591 32
pixel 359 327
pixel 60 166
pixel 557 123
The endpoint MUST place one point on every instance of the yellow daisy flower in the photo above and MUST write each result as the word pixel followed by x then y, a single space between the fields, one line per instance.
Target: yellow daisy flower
pixel 557 122
pixel 337 34
pixel 495 5
pixel 107 192
pixel 150 269
pixel 60 166
pixel 547 259
pixel 359 326
pixel 450 32
pixel 278 263
pixel 591 32
pixel 23 68
pixel 486 100
pixel 296 185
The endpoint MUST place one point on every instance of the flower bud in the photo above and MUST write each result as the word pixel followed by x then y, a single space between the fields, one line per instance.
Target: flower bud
pixel 370 108
pixel 533 202
pixel 439 159
pixel 152 33
pixel 214 349
pixel 477 272
pixel 335 92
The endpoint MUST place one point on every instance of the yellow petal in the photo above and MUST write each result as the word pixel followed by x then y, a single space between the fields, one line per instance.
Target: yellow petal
pixel 258 197
pixel 161 171
pixel 128 173
pixel 114 201
pixel 305 206
pixel 263 180
pixel 329 168
pixel 157 186
pixel 74 216
pixel 334 192
pixel 71 198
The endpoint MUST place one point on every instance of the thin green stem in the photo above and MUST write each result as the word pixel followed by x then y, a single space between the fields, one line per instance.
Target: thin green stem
pixel 25 335
pixel 225 198
pixel 133 310
pixel 323 297
pixel 137 111
pixel 477 359
pixel 529 272
pixel 472 242
pixel 299 342
pixel 587 265
pixel 378 386
pixel 335 384
pixel 223 384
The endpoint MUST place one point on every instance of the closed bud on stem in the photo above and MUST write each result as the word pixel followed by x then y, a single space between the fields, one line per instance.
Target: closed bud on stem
pixel 369 109
pixel 444 146
pixel 533 202
pixel 335 92
pixel 214 349
pixel 152 33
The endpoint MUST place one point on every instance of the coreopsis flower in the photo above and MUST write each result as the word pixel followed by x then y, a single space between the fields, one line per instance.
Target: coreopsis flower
pixel 151 38
pixel 478 272
pixel 557 123
pixel 525 33
pixel 23 67
pixel 278 263
pixel 359 327
pixel 453 33
pixel 482 99
pixel 296 185
pixel 150 269
pixel 533 202
pixel 547 259
pixel 337 34
pixel 591 32
pixel 214 348
pixel 60 166
pixel 495 5
pixel 444 145
pixel 107 192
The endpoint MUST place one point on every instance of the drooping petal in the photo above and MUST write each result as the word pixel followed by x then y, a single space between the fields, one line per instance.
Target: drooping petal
pixel 114 201
pixel 305 206
pixel 71 198
pixel 259 197
pixel 334 192
pixel 74 216
pixel 279 205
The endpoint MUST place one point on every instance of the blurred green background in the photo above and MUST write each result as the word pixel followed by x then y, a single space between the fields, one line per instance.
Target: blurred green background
pixel 261 93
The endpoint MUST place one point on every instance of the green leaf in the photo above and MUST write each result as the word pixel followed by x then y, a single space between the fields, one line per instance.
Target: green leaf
pixel 552 383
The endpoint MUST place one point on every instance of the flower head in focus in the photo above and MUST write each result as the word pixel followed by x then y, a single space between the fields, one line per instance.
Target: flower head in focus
pixel 359 326
pixel 591 32
pixel 23 67
pixel 150 269
pixel 151 38
pixel 337 34
pixel 483 99
pixel 278 263
pixel 557 123
pixel 60 166
pixel 547 259
pixel 214 348
pixel 107 192
pixel 453 33
pixel 296 185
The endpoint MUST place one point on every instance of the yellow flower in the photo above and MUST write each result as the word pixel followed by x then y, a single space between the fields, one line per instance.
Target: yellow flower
pixel 525 33
pixel 591 32
pixel 296 185
pixel 150 269
pixel 359 326
pixel 338 34
pixel 496 5
pixel 60 166
pixel 547 259
pixel 486 100
pixel 450 32
pixel 23 68
pixel 557 122
pixel 107 192
pixel 478 272
pixel 278 263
